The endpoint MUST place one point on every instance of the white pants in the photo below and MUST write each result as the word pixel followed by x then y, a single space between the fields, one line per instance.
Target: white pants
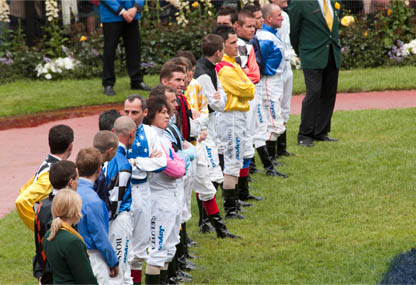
pixel 272 91
pixel 188 182
pixel 287 91
pixel 202 181
pixel 140 208
pixel 211 149
pixel 233 134
pixel 165 223
pixel 119 234
pixel 99 267
pixel 256 120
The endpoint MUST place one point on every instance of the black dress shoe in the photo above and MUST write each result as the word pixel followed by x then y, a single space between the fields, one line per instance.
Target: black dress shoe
pixel 285 153
pixel 109 91
pixel 270 171
pixel 191 243
pixel 326 138
pixel 306 143
pixel 276 163
pixel 252 197
pixel 140 86
pixel 244 204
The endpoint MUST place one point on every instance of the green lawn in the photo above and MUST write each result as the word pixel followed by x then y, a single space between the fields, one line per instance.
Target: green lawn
pixel 345 211
pixel 28 96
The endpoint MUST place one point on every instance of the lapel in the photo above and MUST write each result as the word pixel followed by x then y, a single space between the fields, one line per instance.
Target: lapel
pixel 317 12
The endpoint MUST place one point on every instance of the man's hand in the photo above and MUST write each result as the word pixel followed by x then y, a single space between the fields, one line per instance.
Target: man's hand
pixel 126 16
pixel 133 12
pixel 195 114
pixel 217 96
pixel 129 14
pixel 202 136
pixel 156 154
pixel 132 162
pixel 186 144
pixel 114 271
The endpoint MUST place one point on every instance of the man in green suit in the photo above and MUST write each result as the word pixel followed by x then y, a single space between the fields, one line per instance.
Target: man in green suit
pixel 314 36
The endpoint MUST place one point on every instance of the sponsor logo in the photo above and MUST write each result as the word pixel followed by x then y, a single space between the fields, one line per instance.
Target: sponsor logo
pixel 126 250
pixel 211 159
pixel 259 113
pixel 153 232
pixel 237 148
pixel 272 109
pixel 160 237
pixel 118 248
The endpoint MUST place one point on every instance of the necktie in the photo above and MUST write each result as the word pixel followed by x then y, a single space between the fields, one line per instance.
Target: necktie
pixel 327 15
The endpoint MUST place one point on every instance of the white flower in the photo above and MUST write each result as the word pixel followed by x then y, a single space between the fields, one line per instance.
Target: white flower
pixel 48 76
pixel 51 10
pixel 60 62
pixel 68 64
pixel 4 11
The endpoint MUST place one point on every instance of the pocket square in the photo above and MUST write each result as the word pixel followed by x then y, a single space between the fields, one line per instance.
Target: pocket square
pixel 316 10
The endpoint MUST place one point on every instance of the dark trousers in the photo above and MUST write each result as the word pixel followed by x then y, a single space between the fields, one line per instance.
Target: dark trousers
pixel 318 104
pixel 131 39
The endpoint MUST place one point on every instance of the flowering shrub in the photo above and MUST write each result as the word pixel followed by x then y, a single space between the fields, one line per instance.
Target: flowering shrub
pixel 386 37
pixel 402 53
pixel 55 67
pixel 4 11
pixel 369 42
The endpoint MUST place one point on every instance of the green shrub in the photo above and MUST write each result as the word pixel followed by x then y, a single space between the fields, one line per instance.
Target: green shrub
pixel 368 42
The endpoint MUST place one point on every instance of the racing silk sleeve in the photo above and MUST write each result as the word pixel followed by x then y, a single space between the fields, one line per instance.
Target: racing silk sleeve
pixel 208 90
pixel 188 155
pixel 253 68
pixel 96 216
pixel 175 166
pixel 31 193
pixel 236 82
pixel 154 164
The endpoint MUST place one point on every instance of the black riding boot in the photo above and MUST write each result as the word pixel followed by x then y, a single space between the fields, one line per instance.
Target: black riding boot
pixel 163 277
pixel 219 225
pixel 267 163
pixel 152 279
pixel 253 167
pixel 271 150
pixel 230 204
pixel 281 146
pixel 204 224
pixel 243 193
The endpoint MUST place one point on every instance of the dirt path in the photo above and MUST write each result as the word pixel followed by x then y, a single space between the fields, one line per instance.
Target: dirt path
pixel 24 143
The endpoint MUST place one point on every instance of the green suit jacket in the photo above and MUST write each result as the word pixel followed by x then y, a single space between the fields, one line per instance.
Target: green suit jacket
pixel 310 35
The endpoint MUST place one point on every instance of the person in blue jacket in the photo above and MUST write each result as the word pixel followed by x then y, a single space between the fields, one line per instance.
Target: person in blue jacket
pixel 120 19
pixel 93 226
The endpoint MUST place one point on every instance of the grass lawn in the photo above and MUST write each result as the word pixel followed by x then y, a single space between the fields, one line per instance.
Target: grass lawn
pixel 345 211
pixel 29 96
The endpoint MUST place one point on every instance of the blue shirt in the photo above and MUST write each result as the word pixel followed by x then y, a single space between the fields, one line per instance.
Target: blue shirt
pixel 271 48
pixel 93 226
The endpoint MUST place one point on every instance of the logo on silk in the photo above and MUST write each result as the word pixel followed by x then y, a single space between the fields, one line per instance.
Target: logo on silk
pixel 160 237
pixel 237 148
pixel 259 113
pixel 126 250
pixel 272 109
pixel 119 247
pixel 153 232
pixel 211 159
